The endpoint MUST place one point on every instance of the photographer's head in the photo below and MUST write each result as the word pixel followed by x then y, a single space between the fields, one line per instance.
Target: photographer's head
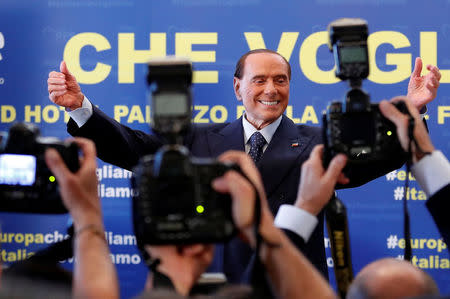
pixel 261 82
pixel 401 121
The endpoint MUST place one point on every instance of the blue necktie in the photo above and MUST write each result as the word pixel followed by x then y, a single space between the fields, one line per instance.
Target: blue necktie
pixel 257 143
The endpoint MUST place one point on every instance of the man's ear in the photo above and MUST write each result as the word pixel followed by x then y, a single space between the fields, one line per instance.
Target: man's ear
pixel 237 85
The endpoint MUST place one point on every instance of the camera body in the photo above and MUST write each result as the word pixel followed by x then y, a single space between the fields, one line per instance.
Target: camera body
pixel 356 126
pixel 173 201
pixel 176 201
pixel 363 136
pixel 26 183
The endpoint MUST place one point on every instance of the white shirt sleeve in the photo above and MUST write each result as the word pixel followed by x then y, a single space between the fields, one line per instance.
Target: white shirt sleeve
pixel 82 114
pixel 296 220
pixel 432 172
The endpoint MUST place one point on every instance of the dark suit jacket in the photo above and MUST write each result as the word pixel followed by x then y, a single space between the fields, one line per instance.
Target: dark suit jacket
pixel 439 207
pixel 279 167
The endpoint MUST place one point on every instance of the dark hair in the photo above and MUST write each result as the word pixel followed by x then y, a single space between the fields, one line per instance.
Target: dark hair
pixel 241 62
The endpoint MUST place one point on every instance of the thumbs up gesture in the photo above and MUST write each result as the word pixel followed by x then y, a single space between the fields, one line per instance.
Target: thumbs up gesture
pixel 63 88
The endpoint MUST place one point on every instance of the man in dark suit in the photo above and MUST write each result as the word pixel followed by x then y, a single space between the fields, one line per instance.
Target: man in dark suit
pixel 261 82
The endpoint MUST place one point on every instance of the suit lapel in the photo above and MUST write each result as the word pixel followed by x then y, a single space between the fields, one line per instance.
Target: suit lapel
pixel 231 137
pixel 280 156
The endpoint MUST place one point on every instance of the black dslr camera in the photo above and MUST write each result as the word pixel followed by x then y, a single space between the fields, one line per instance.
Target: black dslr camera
pixel 26 183
pixel 173 200
pixel 356 127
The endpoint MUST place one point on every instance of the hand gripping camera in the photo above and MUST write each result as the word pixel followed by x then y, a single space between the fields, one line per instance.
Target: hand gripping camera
pixel 356 127
pixel 173 200
pixel 26 183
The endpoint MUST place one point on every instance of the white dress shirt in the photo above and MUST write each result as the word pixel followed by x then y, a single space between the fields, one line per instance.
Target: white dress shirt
pixel 432 172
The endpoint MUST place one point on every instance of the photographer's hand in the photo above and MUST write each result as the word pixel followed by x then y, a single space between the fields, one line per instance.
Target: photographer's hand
pixel 63 88
pixel 94 274
pixel 401 121
pixel 300 279
pixel 423 89
pixel 183 264
pixel 79 189
pixel 243 194
pixel 317 184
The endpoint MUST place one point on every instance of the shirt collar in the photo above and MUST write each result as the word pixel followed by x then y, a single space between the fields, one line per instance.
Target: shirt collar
pixel 267 131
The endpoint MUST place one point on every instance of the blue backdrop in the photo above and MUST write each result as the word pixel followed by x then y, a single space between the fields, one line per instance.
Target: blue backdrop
pixel 106 43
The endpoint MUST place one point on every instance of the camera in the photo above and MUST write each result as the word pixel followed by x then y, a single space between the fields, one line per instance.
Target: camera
pixel 356 126
pixel 173 201
pixel 26 183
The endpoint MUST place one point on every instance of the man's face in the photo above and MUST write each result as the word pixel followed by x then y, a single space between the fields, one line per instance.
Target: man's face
pixel 263 88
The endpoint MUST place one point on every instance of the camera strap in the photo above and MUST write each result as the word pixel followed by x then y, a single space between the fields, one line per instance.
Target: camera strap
pixel 260 286
pixel 337 227
pixel 406 221
pixel 409 162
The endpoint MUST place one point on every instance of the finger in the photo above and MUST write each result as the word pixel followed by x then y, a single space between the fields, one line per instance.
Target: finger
pixel 87 147
pixel 398 99
pixel 56 81
pixel 159 251
pixel 247 166
pixel 56 164
pixel 241 159
pixel 335 168
pixel 63 68
pixel 435 82
pixel 417 67
pixel 68 75
pixel 55 94
pixel 393 114
pixel 409 105
pixel 54 74
pixel 53 87
pixel 342 179
pixel 435 71
pixel 235 184
pixel 317 151
pixel 193 249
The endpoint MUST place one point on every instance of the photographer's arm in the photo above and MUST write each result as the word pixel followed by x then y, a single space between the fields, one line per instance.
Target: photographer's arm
pixel 94 274
pixel 315 190
pixel 116 144
pixel 288 270
pixel 431 170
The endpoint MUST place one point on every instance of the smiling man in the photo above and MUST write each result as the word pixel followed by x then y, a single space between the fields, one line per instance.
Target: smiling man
pixel 261 82
pixel 276 144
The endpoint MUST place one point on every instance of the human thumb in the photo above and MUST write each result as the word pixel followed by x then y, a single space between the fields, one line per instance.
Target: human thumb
pixel 56 164
pixel 63 68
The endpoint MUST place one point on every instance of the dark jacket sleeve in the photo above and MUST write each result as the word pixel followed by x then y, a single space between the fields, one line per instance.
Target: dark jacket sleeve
pixel 116 143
